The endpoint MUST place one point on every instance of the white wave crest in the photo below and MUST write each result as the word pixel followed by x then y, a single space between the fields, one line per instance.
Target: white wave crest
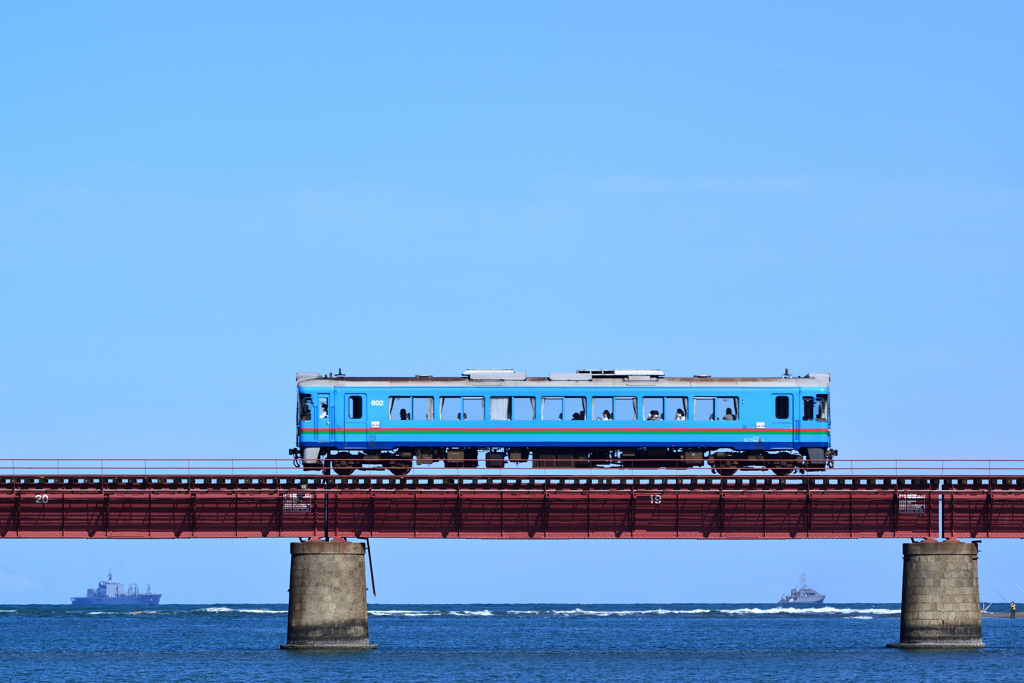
pixel 858 617
pixel 850 612
pixel 680 611
pixel 428 613
pixel 580 612
pixel 241 610
pixel 625 612
pixel 810 610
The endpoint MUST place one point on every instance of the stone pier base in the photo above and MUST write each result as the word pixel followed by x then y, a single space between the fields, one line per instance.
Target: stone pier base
pixel 940 596
pixel 327 597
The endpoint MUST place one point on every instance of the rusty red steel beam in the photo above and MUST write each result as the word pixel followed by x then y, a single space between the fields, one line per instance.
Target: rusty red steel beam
pixel 217 506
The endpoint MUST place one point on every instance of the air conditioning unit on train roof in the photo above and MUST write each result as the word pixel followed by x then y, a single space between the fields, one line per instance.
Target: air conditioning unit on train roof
pixel 588 375
pixel 501 375
pixel 623 373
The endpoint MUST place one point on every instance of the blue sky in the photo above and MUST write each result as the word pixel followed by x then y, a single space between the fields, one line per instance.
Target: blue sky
pixel 198 201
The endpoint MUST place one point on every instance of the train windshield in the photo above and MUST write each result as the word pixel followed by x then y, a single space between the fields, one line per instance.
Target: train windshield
pixel 816 408
pixel 821 407
pixel 305 408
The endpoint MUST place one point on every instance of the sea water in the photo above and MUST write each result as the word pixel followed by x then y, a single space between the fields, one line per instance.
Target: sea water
pixel 493 642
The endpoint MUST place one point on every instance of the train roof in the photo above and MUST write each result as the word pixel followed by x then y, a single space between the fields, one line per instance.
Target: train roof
pixel 580 378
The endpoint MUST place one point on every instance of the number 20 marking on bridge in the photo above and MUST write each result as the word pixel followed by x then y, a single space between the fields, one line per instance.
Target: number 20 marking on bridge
pixel 42 499
pixel 656 499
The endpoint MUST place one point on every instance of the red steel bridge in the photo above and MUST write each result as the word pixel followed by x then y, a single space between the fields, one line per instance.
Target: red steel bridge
pixel 177 499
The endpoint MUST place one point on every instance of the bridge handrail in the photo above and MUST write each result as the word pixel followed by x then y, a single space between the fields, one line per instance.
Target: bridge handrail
pixel 917 467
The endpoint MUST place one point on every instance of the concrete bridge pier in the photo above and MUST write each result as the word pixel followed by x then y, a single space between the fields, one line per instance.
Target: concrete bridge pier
pixel 327 597
pixel 940 608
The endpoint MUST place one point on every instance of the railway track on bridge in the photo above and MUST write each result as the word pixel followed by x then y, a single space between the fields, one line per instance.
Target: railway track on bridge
pixel 591 505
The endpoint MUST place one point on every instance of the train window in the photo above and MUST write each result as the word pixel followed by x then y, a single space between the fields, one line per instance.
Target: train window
pixel 727 408
pixel 501 408
pixel 524 408
pixel 451 407
pixel 576 407
pixel 355 407
pixel 808 407
pixel 411 407
pixel 473 408
pixel 306 409
pixel 604 408
pixel 324 405
pixel 782 407
pixel 400 408
pixel 821 405
pixel 654 408
pixel 423 407
pixel 462 408
pixel 703 408
pixel 625 408
pixel 676 408
pixel 551 408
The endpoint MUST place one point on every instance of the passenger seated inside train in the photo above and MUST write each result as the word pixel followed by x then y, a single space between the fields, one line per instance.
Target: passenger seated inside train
pixel 729 415
pixel 605 415
pixel 323 410
pixel 402 415
pixel 654 415
pixel 680 415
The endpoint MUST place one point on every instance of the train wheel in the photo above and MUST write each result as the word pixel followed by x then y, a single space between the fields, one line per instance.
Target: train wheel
pixel 342 468
pixel 723 467
pixel 400 470
pixel 783 471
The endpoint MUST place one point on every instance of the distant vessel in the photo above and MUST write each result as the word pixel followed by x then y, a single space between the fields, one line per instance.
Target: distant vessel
pixel 111 592
pixel 802 595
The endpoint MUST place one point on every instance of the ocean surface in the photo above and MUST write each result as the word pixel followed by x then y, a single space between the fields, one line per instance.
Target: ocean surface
pixel 494 642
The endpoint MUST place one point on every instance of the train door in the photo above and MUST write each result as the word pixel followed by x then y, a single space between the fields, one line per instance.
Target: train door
pixel 784 416
pixel 355 420
pixel 804 415
pixel 322 417
pixel 799 411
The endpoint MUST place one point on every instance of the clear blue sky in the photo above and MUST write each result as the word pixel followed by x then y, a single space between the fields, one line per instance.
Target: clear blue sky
pixel 197 201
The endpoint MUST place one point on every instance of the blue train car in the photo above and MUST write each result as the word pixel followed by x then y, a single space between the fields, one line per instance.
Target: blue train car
pixel 588 418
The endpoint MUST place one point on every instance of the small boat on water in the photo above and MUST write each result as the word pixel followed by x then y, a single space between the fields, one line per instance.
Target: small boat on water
pixel 802 595
pixel 112 592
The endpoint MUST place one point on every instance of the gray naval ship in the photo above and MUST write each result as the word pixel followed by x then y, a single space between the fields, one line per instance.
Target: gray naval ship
pixel 111 592
pixel 802 595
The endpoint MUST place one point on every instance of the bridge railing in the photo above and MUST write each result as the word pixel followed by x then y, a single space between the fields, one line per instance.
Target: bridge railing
pixel 898 467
